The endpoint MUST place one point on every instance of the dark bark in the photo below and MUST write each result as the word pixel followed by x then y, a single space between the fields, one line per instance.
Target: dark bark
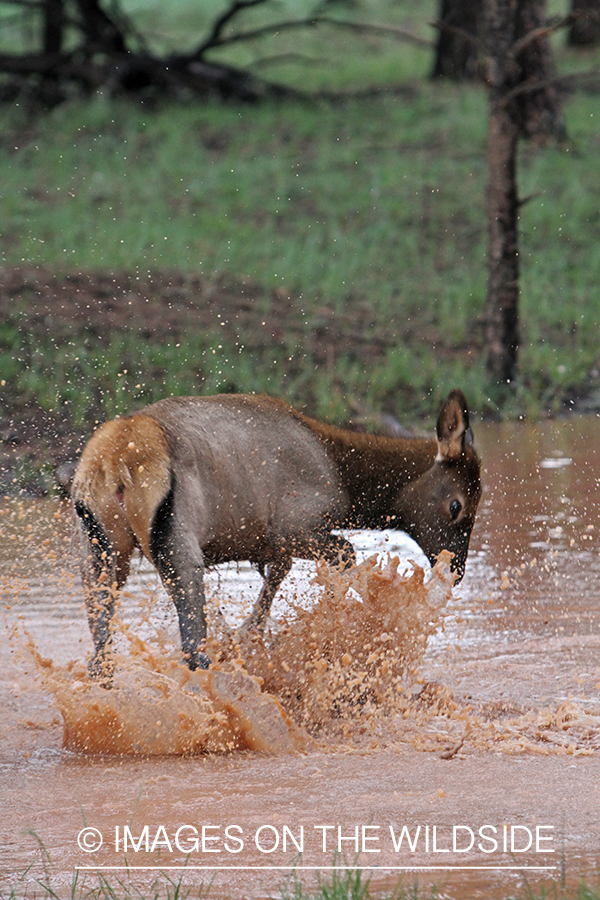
pixel 53 26
pixel 501 312
pixel 585 30
pixel 215 35
pixel 523 102
pixel 101 32
pixel 538 109
pixel 457 52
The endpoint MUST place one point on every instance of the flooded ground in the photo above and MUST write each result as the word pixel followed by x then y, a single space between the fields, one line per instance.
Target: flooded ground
pixel 472 755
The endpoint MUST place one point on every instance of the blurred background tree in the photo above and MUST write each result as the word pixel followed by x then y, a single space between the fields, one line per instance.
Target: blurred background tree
pixel 86 45
pixel 585 29
pixel 458 47
pixel 504 42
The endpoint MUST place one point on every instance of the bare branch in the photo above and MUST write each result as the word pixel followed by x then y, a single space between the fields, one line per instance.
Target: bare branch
pixel 214 39
pixel 539 34
pixel 460 32
pixel 577 79
pixel 592 14
pixel 277 27
pixel 273 29
pixel 523 201
pixel 561 81
pixel 290 58
pixel 385 30
pixel 28 63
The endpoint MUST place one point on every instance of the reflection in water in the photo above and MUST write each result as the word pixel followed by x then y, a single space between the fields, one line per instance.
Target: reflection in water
pixel 505 694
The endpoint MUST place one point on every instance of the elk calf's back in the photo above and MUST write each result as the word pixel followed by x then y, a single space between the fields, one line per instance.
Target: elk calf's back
pixel 195 481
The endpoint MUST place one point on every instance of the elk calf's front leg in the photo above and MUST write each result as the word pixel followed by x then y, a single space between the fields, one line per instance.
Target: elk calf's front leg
pixel 180 563
pixel 275 573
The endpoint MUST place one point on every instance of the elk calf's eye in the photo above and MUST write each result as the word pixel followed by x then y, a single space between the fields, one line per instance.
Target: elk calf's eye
pixel 455 508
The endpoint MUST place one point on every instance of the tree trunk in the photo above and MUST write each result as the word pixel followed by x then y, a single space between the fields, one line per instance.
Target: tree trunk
pixel 523 102
pixel 538 110
pixel 460 34
pixel 53 26
pixel 585 30
pixel 501 313
pixel 456 54
pixel 101 33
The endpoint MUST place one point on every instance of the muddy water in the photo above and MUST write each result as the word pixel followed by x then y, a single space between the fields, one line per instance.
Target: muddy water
pixel 473 738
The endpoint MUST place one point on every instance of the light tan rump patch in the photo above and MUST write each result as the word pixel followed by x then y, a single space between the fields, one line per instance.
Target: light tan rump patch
pixel 123 476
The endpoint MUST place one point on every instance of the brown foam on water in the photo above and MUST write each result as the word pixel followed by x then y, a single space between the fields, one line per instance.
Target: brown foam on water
pixel 349 667
pixel 439 721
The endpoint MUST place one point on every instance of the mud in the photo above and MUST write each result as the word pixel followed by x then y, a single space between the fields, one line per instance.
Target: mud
pixel 395 700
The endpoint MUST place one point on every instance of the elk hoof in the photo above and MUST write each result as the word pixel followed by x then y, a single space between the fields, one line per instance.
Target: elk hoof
pixel 198 660
pixel 250 630
pixel 101 669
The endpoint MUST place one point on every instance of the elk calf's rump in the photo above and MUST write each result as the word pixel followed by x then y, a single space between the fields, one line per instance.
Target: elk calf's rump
pixel 196 481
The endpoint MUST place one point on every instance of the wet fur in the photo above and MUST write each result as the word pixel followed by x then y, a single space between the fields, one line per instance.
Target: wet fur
pixel 197 481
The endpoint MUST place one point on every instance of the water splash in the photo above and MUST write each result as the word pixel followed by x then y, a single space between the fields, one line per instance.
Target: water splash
pixel 355 650
pixel 358 648
pixel 343 668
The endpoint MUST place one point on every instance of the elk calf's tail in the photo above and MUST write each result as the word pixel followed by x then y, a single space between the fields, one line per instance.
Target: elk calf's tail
pixel 123 476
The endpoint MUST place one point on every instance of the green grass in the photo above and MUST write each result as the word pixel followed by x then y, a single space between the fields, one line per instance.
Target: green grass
pixel 345 882
pixel 372 204
pixel 380 202
pixel 348 884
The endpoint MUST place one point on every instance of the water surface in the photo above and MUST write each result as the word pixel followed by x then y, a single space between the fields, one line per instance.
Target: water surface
pixel 507 690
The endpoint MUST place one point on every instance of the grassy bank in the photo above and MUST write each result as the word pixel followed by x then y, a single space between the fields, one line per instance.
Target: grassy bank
pixel 330 252
pixel 343 885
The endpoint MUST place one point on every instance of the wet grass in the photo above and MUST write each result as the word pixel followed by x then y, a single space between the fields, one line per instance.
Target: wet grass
pixel 372 204
pixel 375 203
pixel 347 884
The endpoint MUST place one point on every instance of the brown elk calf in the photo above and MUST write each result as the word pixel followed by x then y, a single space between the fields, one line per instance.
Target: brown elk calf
pixel 196 481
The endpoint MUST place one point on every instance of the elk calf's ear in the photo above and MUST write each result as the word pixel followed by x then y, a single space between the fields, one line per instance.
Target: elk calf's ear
pixel 453 430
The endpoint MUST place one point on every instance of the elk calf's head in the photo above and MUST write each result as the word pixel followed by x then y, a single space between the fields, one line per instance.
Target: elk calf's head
pixel 438 508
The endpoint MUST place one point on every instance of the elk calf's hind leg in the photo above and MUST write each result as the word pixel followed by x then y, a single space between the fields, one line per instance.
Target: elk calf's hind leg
pixel 187 592
pixel 99 575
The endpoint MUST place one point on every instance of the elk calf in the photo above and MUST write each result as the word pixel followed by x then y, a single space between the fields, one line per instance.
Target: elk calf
pixel 196 481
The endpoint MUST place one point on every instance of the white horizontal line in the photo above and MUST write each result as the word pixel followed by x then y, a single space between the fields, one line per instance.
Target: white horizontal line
pixel 415 868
